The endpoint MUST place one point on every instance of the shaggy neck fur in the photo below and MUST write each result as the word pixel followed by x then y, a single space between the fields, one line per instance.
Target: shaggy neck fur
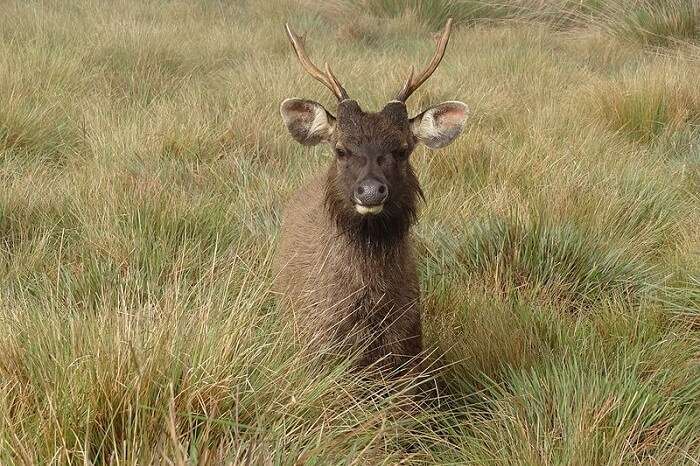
pixel 374 234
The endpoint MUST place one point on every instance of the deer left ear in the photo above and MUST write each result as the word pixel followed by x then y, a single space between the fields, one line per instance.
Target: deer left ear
pixel 438 126
pixel 307 121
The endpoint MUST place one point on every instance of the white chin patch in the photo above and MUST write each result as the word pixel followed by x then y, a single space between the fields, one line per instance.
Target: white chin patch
pixel 364 210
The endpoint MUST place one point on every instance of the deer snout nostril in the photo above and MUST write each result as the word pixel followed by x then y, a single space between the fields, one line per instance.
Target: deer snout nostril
pixel 371 192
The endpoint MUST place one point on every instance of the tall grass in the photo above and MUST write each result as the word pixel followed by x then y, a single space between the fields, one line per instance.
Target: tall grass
pixel 650 22
pixel 144 168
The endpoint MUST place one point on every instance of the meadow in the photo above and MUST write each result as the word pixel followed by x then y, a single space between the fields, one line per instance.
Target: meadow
pixel 144 168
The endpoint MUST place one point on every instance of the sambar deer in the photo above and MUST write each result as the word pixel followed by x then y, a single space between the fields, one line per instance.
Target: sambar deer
pixel 345 261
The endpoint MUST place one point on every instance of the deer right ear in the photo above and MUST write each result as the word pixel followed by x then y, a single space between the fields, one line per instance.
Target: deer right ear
pixel 440 125
pixel 307 121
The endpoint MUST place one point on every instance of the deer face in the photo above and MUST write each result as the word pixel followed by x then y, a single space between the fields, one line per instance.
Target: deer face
pixel 372 172
pixel 372 164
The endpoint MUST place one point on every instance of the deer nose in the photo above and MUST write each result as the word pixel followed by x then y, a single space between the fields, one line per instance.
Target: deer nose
pixel 370 192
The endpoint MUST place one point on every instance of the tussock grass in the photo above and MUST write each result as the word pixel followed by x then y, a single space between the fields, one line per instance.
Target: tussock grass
pixel 567 262
pixel 144 167
pixel 648 22
pixel 656 23
pixel 649 105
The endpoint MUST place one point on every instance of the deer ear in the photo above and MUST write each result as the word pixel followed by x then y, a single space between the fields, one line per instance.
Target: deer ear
pixel 438 126
pixel 307 121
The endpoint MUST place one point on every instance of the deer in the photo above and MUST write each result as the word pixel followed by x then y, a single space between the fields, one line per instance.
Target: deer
pixel 346 263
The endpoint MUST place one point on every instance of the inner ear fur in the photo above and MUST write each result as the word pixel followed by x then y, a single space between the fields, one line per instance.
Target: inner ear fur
pixel 307 121
pixel 440 125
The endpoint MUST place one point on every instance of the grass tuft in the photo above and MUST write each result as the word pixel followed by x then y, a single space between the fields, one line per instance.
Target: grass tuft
pixel 656 24
pixel 566 262
pixel 646 107
pixel 144 166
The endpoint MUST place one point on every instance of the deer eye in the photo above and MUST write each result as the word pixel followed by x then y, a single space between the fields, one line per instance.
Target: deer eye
pixel 399 154
pixel 342 152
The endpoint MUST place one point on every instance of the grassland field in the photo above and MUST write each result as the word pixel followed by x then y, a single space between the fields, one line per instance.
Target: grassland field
pixel 144 166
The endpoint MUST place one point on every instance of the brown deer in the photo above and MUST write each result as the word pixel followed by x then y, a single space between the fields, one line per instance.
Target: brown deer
pixel 345 260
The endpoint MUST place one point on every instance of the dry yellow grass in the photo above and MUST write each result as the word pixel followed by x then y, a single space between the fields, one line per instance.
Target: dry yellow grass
pixel 144 166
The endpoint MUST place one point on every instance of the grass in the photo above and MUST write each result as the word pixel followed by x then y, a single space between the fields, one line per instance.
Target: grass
pixel 144 167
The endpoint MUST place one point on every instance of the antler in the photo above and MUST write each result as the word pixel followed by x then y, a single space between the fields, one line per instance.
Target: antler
pixel 413 84
pixel 328 79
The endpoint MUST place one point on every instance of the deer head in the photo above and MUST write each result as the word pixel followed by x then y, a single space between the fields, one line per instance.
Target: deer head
pixel 371 176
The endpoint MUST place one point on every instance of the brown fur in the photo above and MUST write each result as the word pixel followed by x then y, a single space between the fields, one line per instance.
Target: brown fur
pixel 351 278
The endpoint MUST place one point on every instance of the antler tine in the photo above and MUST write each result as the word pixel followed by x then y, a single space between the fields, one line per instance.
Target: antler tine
pixel 406 89
pixel 328 79
pixel 412 84
pixel 337 88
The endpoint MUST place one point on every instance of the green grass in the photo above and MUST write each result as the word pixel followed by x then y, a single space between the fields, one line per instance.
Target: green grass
pixel 656 23
pixel 144 167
